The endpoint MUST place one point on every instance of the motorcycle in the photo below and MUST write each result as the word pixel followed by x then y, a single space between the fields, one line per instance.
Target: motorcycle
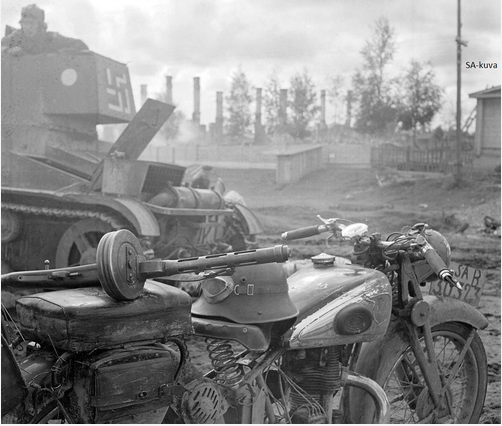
pixel 333 342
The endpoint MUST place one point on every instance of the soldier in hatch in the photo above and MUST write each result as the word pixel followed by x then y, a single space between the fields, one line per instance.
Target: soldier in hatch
pixel 203 180
pixel 33 37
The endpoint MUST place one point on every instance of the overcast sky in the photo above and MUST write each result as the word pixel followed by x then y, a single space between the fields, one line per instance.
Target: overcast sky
pixel 210 39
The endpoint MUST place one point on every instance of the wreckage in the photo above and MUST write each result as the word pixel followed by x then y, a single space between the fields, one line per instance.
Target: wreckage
pixel 63 188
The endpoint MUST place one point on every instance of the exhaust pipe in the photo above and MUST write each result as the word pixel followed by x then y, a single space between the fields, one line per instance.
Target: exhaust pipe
pixel 374 390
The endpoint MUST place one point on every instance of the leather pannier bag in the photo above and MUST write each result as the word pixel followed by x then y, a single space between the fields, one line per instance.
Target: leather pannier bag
pixel 128 385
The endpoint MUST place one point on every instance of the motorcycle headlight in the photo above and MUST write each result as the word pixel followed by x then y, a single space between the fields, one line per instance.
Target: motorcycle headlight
pixel 353 319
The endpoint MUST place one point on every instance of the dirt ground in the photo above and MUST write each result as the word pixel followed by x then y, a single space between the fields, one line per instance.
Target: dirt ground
pixel 388 202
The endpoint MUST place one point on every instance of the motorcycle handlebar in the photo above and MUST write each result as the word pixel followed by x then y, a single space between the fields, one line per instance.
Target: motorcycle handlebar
pixel 309 231
pixel 159 268
pixel 433 259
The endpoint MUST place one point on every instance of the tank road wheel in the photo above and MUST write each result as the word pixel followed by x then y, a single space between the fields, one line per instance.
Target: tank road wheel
pixel 118 257
pixel 79 243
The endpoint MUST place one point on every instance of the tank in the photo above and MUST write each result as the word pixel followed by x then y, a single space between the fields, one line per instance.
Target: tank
pixel 63 188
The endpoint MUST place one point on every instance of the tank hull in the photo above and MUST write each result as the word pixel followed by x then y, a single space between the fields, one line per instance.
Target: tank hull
pixel 63 188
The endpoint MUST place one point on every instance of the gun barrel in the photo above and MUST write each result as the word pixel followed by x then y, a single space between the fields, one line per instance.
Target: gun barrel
pixel 158 268
pixel 72 277
pixel 87 275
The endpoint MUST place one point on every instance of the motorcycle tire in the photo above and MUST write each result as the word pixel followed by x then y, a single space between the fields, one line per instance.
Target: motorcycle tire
pixel 395 368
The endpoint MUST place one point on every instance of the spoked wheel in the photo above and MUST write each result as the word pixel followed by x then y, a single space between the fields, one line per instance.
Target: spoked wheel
pixel 79 243
pixel 465 382
pixel 392 364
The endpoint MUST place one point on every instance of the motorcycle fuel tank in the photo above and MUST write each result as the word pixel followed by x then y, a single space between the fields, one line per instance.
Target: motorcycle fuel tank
pixel 338 304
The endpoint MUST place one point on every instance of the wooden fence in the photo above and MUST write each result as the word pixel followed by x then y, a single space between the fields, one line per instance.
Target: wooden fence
pixel 410 159
pixel 291 162
pixel 294 161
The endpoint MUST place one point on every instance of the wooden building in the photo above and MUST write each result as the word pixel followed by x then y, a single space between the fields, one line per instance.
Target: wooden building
pixel 487 137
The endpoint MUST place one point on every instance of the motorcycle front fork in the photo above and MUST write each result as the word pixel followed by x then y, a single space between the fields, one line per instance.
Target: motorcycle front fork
pixel 418 323
pixel 416 318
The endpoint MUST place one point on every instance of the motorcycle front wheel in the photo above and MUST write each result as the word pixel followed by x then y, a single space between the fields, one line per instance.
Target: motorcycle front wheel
pixel 398 373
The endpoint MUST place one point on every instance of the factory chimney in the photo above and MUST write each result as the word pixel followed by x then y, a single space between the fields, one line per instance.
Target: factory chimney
pixel 323 108
pixel 196 101
pixel 283 115
pixel 258 128
pixel 144 93
pixel 219 116
pixel 169 89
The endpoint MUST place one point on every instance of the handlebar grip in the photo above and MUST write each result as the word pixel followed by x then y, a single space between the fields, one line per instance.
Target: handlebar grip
pixel 439 267
pixel 434 260
pixel 309 231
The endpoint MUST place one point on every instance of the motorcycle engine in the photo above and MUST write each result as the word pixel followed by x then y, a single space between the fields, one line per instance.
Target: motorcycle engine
pixel 314 372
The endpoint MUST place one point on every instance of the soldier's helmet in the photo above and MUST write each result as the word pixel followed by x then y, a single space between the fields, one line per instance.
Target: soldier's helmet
pixel 32 11
pixel 252 295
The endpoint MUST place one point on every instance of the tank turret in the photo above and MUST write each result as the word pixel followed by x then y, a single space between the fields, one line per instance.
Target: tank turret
pixel 51 104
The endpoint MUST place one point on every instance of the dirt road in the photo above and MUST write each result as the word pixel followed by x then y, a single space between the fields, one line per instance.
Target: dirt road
pixel 386 204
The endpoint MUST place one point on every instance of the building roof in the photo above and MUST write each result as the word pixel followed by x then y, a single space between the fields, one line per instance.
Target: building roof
pixel 492 92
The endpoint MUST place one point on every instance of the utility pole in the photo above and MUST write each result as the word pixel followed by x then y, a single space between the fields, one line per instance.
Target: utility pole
pixel 459 85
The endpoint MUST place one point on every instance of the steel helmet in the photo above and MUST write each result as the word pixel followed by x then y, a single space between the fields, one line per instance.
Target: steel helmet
pixel 422 269
pixel 252 295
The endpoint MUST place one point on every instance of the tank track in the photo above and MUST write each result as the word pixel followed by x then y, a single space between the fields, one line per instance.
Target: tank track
pixel 64 213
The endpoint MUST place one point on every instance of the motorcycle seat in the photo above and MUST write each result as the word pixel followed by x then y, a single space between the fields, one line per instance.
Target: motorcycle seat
pixel 84 319
pixel 253 337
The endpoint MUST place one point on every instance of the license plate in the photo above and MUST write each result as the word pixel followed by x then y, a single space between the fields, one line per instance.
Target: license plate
pixel 471 279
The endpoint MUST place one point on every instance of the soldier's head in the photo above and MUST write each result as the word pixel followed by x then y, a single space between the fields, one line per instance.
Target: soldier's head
pixel 206 170
pixel 32 20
